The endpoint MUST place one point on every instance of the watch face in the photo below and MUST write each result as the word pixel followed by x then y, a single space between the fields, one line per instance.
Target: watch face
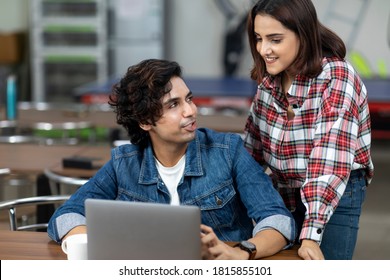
pixel 248 245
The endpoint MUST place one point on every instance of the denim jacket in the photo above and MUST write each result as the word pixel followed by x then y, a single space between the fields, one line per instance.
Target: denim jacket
pixel 235 196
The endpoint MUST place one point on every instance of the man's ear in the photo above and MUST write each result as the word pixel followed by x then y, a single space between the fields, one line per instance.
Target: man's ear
pixel 145 127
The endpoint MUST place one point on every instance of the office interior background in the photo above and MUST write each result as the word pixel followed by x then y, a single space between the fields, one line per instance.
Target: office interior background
pixel 194 33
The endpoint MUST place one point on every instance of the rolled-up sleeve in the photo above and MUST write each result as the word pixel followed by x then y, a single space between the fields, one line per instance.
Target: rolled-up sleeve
pixel 283 224
pixel 64 223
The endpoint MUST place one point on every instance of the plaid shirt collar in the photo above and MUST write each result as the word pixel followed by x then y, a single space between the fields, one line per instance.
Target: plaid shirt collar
pixel 297 93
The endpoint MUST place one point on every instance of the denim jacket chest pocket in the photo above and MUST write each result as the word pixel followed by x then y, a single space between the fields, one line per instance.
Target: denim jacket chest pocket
pixel 143 193
pixel 219 206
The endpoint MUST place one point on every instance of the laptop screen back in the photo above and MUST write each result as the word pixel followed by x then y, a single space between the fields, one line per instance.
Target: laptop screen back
pixel 123 230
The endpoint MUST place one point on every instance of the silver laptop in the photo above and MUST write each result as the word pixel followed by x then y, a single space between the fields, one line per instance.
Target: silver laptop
pixel 123 230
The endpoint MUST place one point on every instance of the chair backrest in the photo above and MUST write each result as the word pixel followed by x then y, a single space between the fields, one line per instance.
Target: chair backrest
pixel 63 185
pixel 12 205
pixel 60 179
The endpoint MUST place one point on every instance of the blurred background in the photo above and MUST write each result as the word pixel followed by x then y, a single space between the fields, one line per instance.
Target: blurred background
pixel 69 52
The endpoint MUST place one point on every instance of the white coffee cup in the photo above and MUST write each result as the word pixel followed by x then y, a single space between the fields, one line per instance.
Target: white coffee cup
pixel 75 246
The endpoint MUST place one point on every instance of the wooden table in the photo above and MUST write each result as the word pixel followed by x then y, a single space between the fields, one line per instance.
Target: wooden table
pixel 101 155
pixel 288 254
pixel 33 159
pixel 23 245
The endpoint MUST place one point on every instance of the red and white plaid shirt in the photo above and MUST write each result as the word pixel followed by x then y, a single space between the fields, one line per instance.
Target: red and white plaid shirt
pixel 329 136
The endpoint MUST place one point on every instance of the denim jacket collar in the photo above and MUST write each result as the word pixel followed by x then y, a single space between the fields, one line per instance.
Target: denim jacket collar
pixel 149 174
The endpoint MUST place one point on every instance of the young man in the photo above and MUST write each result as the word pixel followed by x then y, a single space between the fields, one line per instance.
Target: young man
pixel 171 161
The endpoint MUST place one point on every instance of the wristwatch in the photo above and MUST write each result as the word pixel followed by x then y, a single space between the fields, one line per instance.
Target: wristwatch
pixel 248 247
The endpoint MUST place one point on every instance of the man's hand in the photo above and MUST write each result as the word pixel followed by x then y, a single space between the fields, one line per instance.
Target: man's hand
pixel 310 250
pixel 215 249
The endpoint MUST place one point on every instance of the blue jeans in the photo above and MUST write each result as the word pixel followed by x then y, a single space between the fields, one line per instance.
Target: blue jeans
pixel 340 234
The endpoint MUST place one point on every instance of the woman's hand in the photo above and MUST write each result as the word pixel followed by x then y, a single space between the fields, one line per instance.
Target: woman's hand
pixel 310 250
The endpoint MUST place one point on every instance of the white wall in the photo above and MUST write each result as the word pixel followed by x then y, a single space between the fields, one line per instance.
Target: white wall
pixel 196 31
pixel 370 40
pixel 13 15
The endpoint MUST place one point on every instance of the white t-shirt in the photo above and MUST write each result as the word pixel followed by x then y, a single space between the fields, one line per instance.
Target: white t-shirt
pixel 171 177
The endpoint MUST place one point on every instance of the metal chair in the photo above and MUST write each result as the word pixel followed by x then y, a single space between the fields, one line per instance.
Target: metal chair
pixel 15 184
pixel 60 184
pixel 64 179
pixel 51 183
pixel 12 205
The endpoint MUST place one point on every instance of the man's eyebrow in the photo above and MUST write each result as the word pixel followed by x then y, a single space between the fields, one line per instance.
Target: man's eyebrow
pixel 170 100
pixel 174 99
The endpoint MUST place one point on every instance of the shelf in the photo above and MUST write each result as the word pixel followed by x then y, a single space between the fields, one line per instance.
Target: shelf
pixel 68 46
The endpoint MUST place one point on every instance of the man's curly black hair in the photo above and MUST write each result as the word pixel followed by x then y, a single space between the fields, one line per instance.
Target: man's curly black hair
pixel 137 97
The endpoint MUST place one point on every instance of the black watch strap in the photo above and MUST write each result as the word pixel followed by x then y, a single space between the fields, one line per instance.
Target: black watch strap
pixel 248 247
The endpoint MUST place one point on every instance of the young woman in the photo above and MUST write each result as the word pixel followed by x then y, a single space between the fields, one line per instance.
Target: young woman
pixel 310 124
